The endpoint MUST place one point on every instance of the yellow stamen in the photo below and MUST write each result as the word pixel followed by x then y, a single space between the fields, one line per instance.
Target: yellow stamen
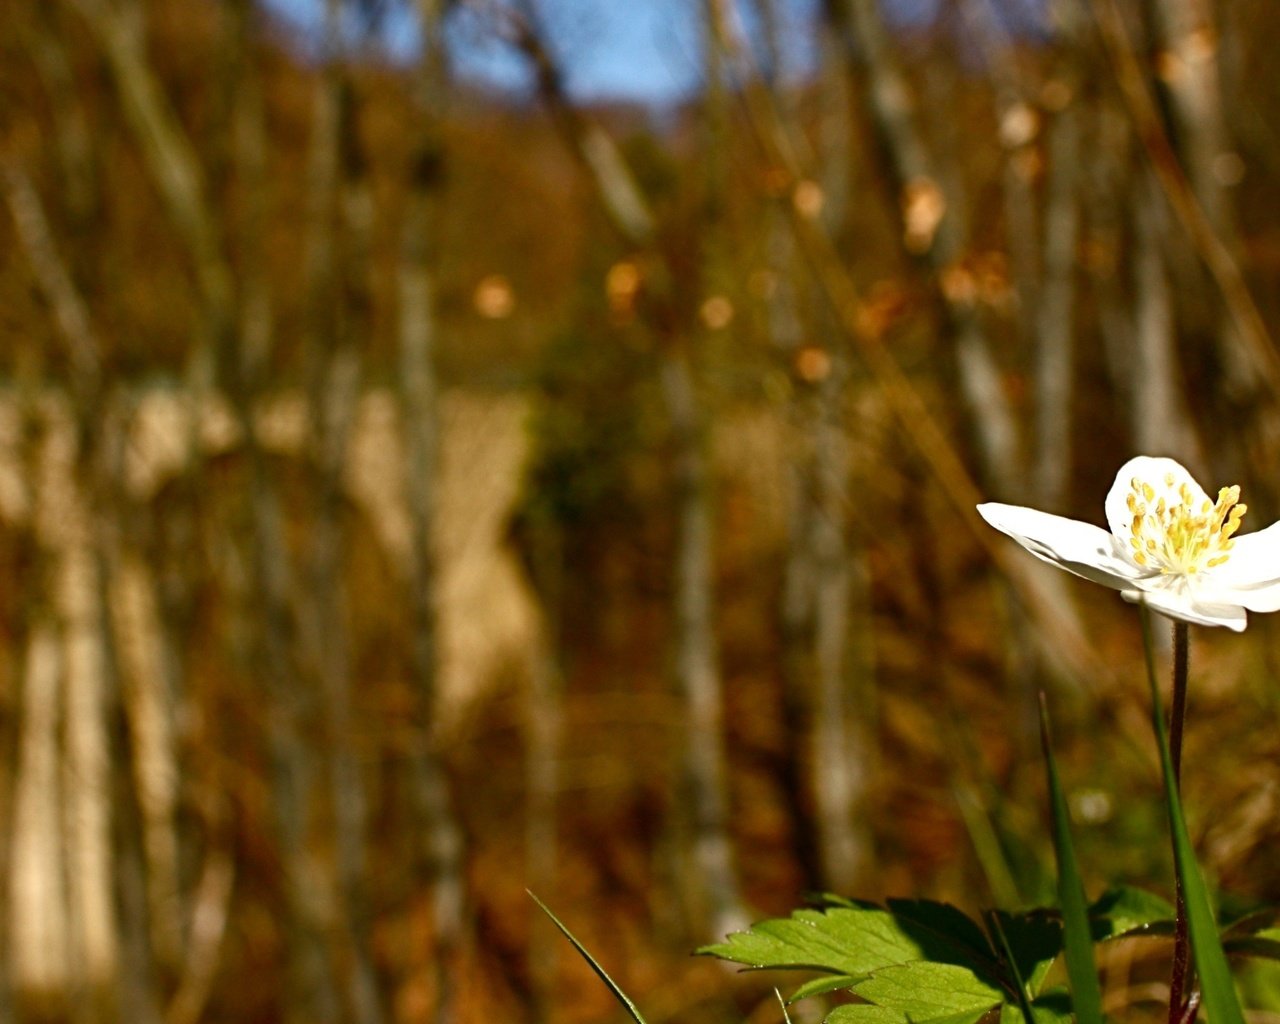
pixel 1186 537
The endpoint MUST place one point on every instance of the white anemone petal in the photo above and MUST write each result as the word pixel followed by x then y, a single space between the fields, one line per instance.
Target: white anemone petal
pixel 1153 471
pixel 1080 548
pixel 1186 606
pixel 1254 562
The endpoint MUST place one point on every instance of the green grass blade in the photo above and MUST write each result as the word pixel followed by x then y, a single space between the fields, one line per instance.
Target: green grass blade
pixel 1019 985
pixel 1082 972
pixel 618 994
pixel 1218 991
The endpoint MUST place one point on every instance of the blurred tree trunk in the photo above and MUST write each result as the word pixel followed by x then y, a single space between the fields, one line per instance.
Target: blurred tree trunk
pixel 337 255
pixel 172 162
pixel 1055 377
pixel 264 592
pixel 1186 43
pixel 696 659
pixel 140 996
pixel 795 610
pixel 844 751
pixel 824 565
pixel 1160 421
pixel 932 233
pixel 545 728
pixel 102 743
pixel 696 665
pixel 714 896
pixel 442 850
pixel 1042 249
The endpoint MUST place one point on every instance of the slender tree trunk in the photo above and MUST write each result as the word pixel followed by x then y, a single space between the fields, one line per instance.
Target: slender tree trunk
pixel 932 232
pixel 696 665
pixel 101 744
pixel 442 844
pixel 1186 39
pixel 338 224
pixel 1054 319
pixel 340 250
pixel 842 737
pixel 696 661
pixel 545 728
pixel 140 998
pixel 1160 421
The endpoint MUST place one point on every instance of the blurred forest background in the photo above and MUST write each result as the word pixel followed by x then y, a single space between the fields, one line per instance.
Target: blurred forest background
pixel 414 491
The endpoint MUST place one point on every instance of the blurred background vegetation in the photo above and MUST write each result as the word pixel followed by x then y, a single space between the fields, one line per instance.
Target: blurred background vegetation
pixel 418 485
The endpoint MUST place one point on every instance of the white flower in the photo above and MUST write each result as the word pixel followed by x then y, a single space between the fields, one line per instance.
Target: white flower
pixel 1170 546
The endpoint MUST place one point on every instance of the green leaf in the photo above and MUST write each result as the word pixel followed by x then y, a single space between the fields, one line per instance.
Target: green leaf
pixel 858 940
pixel 1019 983
pixel 839 941
pixel 1125 911
pixel 1053 1007
pixel 1218 993
pixel 864 1013
pixel 1253 923
pixel 944 934
pixel 926 991
pixel 1264 944
pixel 618 994
pixel 1035 938
pixel 821 986
pixel 1082 972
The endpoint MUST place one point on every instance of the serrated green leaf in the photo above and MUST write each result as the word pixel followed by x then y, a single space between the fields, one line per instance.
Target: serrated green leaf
pixel 839 941
pixel 867 1014
pixel 944 934
pixel 821 986
pixel 855 941
pixel 1082 972
pixel 927 991
pixel 864 1013
pixel 1127 911
pixel 1217 990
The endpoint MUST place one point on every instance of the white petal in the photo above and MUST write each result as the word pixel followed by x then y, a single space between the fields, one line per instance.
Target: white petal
pixel 1154 472
pixel 1188 607
pixel 1254 563
pixel 1256 599
pixel 1080 548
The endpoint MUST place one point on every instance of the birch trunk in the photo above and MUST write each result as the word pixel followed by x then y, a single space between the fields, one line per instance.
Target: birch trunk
pixel 842 740
pixel 931 232
pixel 1188 65
pixel 442 849
pixel 1160 422
pixel 105 822
pixel 696 667
pixel 1054 313
pixel 696 661
pixel 339 249
pixel 338 226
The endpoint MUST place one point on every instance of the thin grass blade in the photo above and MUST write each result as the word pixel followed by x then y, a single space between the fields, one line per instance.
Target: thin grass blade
pixel 1082 972
pixel 618 994
pixel 1218 991
pixel 1019 985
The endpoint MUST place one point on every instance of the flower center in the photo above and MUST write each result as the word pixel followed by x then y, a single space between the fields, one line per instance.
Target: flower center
pixel 1173 535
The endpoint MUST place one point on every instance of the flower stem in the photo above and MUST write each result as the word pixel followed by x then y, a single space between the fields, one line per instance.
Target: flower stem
pixel 1179 984
pixel 1178 704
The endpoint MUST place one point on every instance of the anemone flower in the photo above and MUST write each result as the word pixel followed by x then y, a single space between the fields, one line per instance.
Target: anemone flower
pixel 1169 546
